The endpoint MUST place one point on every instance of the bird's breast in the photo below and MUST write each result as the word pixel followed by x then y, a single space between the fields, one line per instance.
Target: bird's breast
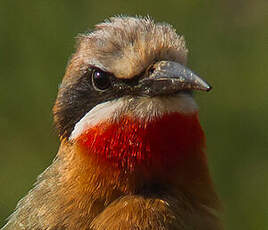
pixel 132 144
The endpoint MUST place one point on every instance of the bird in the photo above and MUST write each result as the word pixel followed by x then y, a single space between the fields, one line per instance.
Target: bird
pixel 132 152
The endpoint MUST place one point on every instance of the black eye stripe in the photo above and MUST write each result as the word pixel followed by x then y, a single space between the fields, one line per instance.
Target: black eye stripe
pixel 76 99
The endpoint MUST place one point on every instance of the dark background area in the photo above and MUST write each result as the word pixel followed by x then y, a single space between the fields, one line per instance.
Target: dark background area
pixel 228 43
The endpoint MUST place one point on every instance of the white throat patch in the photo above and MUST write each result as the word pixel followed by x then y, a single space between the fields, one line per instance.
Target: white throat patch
pixel 144 108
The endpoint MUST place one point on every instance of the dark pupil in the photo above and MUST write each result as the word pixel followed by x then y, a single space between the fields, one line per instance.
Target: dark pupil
pixel 101 80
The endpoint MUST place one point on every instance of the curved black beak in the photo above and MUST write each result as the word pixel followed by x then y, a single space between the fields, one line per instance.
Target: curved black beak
pixel 169 77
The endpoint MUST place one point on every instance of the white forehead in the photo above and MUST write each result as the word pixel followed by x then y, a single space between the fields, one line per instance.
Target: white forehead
pixel 144 108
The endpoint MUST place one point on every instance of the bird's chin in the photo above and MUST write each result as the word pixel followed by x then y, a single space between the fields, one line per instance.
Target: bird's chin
pixel 140 108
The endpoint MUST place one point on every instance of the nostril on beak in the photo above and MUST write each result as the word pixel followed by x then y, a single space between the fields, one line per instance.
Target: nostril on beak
pixel 150 70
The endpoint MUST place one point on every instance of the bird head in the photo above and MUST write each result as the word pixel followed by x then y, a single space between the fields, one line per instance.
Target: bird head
pixel 126 97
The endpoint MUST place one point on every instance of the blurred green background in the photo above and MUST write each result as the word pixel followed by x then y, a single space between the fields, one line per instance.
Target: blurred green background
pixel 228 43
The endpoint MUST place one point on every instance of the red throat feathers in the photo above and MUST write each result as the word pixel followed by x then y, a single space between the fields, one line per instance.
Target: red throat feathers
pixel 130 144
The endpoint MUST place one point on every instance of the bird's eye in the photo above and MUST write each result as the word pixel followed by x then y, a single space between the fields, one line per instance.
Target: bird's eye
pixel 100 79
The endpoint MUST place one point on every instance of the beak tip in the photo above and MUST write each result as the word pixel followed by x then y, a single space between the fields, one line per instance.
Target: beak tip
pixel 208 88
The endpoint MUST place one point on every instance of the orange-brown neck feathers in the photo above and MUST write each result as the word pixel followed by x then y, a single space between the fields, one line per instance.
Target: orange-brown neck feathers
pixel 130 144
